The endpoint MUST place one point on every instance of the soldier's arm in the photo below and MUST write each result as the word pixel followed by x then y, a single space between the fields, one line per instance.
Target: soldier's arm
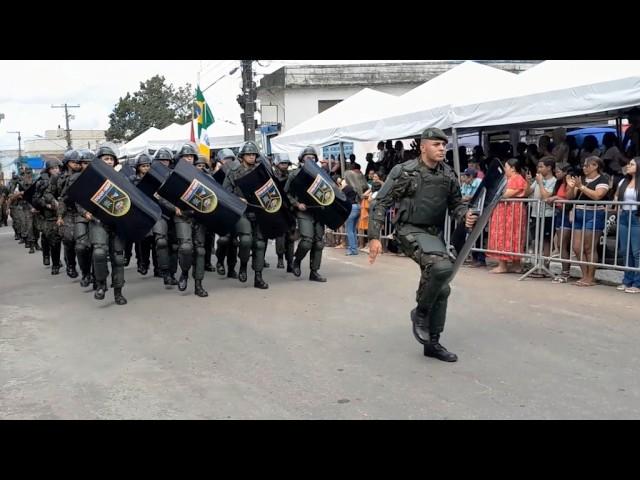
pixel 228 184
pixel 392 191
pixel 287 188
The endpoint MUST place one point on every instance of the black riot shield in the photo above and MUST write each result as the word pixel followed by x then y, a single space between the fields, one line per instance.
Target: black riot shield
pixel 127 169
pixel 28 194
pixel 115 201
pixel 483 203
pixel 151 182
pixel 219 176
pixel 186 186
pixel 270 205
pixel 315 188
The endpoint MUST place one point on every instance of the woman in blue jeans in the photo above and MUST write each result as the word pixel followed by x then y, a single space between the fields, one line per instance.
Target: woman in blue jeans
pixel 352 221
pixel 629 226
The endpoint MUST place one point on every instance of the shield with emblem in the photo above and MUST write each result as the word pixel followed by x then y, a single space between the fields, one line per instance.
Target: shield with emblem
pixel 211 204
pixel 314 187
pixel 269 197
pixel 115 201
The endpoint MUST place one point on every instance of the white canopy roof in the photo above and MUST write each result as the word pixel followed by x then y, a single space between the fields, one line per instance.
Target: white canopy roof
pixel 580 91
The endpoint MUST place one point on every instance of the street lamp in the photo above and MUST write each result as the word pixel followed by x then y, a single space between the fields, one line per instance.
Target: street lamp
pixel 216 81
pixel 19 144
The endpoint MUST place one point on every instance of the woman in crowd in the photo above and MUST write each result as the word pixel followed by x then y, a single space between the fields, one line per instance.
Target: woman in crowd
pixel 352 238
pixel 507 230
pixel 629 226
pixel 562 222
pixel 589 219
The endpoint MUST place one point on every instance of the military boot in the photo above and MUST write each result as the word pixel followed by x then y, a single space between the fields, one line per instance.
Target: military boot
pixel 242 274
pixel 420 326
pixel 182 283
pixel 220 269
pixel 314 276
pixel 85 281
pixel 143 269
pixel 266 264
pixel 199 291
pixel 37 246
pixel 21 240
pixel 101 289
pixel 32 249
pixel 232 273
pixel 16 237
pixel 280 262
pixel 166 278
pixel 259 282
pixel 208 267
pixel 296 268
pixel 72 272
pixel 119 298
pixel 127 261
pixel 157 273
pixel 55 270
pixel 435 350
pixel 289 267
pixel 46 261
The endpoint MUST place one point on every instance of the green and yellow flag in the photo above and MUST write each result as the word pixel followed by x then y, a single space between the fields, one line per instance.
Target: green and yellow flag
pixel 204 118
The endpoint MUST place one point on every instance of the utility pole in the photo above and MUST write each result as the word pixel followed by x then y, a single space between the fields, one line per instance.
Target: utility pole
pixel 66 116
pixel 247 100
pixel 19 145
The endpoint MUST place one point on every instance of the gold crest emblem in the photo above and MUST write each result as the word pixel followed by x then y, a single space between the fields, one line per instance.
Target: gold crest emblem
pixel 112 199
pixel 200 197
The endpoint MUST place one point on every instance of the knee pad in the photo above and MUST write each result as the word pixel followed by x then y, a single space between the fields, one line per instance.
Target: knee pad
pixel 99 253
pixel 317 246
pixel 245 241
pixel 161 242
pixel 260 245
pixel 81 248
pixel 305 243
pixel 223 242
pixel 118 258
pixel 200 251
pixel 185 248
pixel 235 242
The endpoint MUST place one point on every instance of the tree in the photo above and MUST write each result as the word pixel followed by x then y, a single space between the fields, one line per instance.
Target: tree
pixel 156 104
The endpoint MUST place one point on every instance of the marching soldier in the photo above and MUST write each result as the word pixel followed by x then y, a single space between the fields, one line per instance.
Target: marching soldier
pixel 250 237
pixel 311 229
pixel 425 188
pixel 66 210
pixel 227 245
pixel 48 205
pixel 143 247
pixel 285 242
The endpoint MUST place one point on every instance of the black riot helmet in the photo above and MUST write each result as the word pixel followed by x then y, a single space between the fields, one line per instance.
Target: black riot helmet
pixel 52 163
pixel 86 155
pixel 307 151
pixel 71 156
pixel 163 154
pixel 188 149
pixel 225 153
pixel 142 159
pixel 200 159
pixel 106 150
pixel 248 148
pixel 279 158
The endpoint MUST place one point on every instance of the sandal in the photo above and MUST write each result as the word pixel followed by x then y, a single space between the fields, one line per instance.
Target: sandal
pixel 561 279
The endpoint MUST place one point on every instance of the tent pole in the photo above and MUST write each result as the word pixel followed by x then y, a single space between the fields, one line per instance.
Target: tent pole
pixel 342 165
pixel 456 154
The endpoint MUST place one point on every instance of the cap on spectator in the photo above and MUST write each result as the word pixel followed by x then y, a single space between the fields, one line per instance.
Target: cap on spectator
pixel 470 172
pixel 434 134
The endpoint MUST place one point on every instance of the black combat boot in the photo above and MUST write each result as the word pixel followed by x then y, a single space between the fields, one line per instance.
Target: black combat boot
pixel 166 277
pixel 242 274
pixel 143 269
pixel 32 249
pixel 182 283
pixel 296 268
pixel 232 273
pixel 85 281
pixel 199 291
pixel 266 264
pixel 157 273
pixel 314 276
pixel 435 350
pixel 289 268
pixel 280 262
pixel 117 294
pixel 127 261
pixel 259 282
pixel 208 267
pixel 22 240
pixel 72 272
pixel 420 326
pixel 220 269
pixel 55 270
pixel 16 237
pixel 101 289
pixel 37 246
pixel 46 261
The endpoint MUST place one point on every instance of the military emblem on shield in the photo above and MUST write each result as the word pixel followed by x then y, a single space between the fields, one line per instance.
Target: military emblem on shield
pixel 200 197
pixel 269 197
pixel 321 191
pixel 112 199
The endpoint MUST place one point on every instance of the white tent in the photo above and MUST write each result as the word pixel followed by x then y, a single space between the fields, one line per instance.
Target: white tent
pixel 139 143
pixel 575 91
pixel 373 116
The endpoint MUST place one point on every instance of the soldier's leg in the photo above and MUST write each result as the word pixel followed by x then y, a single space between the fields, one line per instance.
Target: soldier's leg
pixel 208 248
pixel 38 233
pixel 15 222
pixel 142 254
pixel 53 239
pixel 116 252
pixel 100 243
pixel 316 253
pixel 83 250
pixel 232 255
pixel 161 237
pixel 199 234
pixel 280 249
pixel 128 251
pixel 259 248
pixel 243 228
pixel 289 244
pixel 46 244
pixel 221 252
pixel 185 250
pixel 173 249
pixel 69 245
pixel 29 235
pixel 306 228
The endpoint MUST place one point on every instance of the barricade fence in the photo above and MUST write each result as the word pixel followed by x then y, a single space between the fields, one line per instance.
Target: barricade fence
pixel 581 232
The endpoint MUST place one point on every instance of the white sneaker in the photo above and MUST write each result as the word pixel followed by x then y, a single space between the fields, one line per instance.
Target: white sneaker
pixel 632 290
pixel 622 288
